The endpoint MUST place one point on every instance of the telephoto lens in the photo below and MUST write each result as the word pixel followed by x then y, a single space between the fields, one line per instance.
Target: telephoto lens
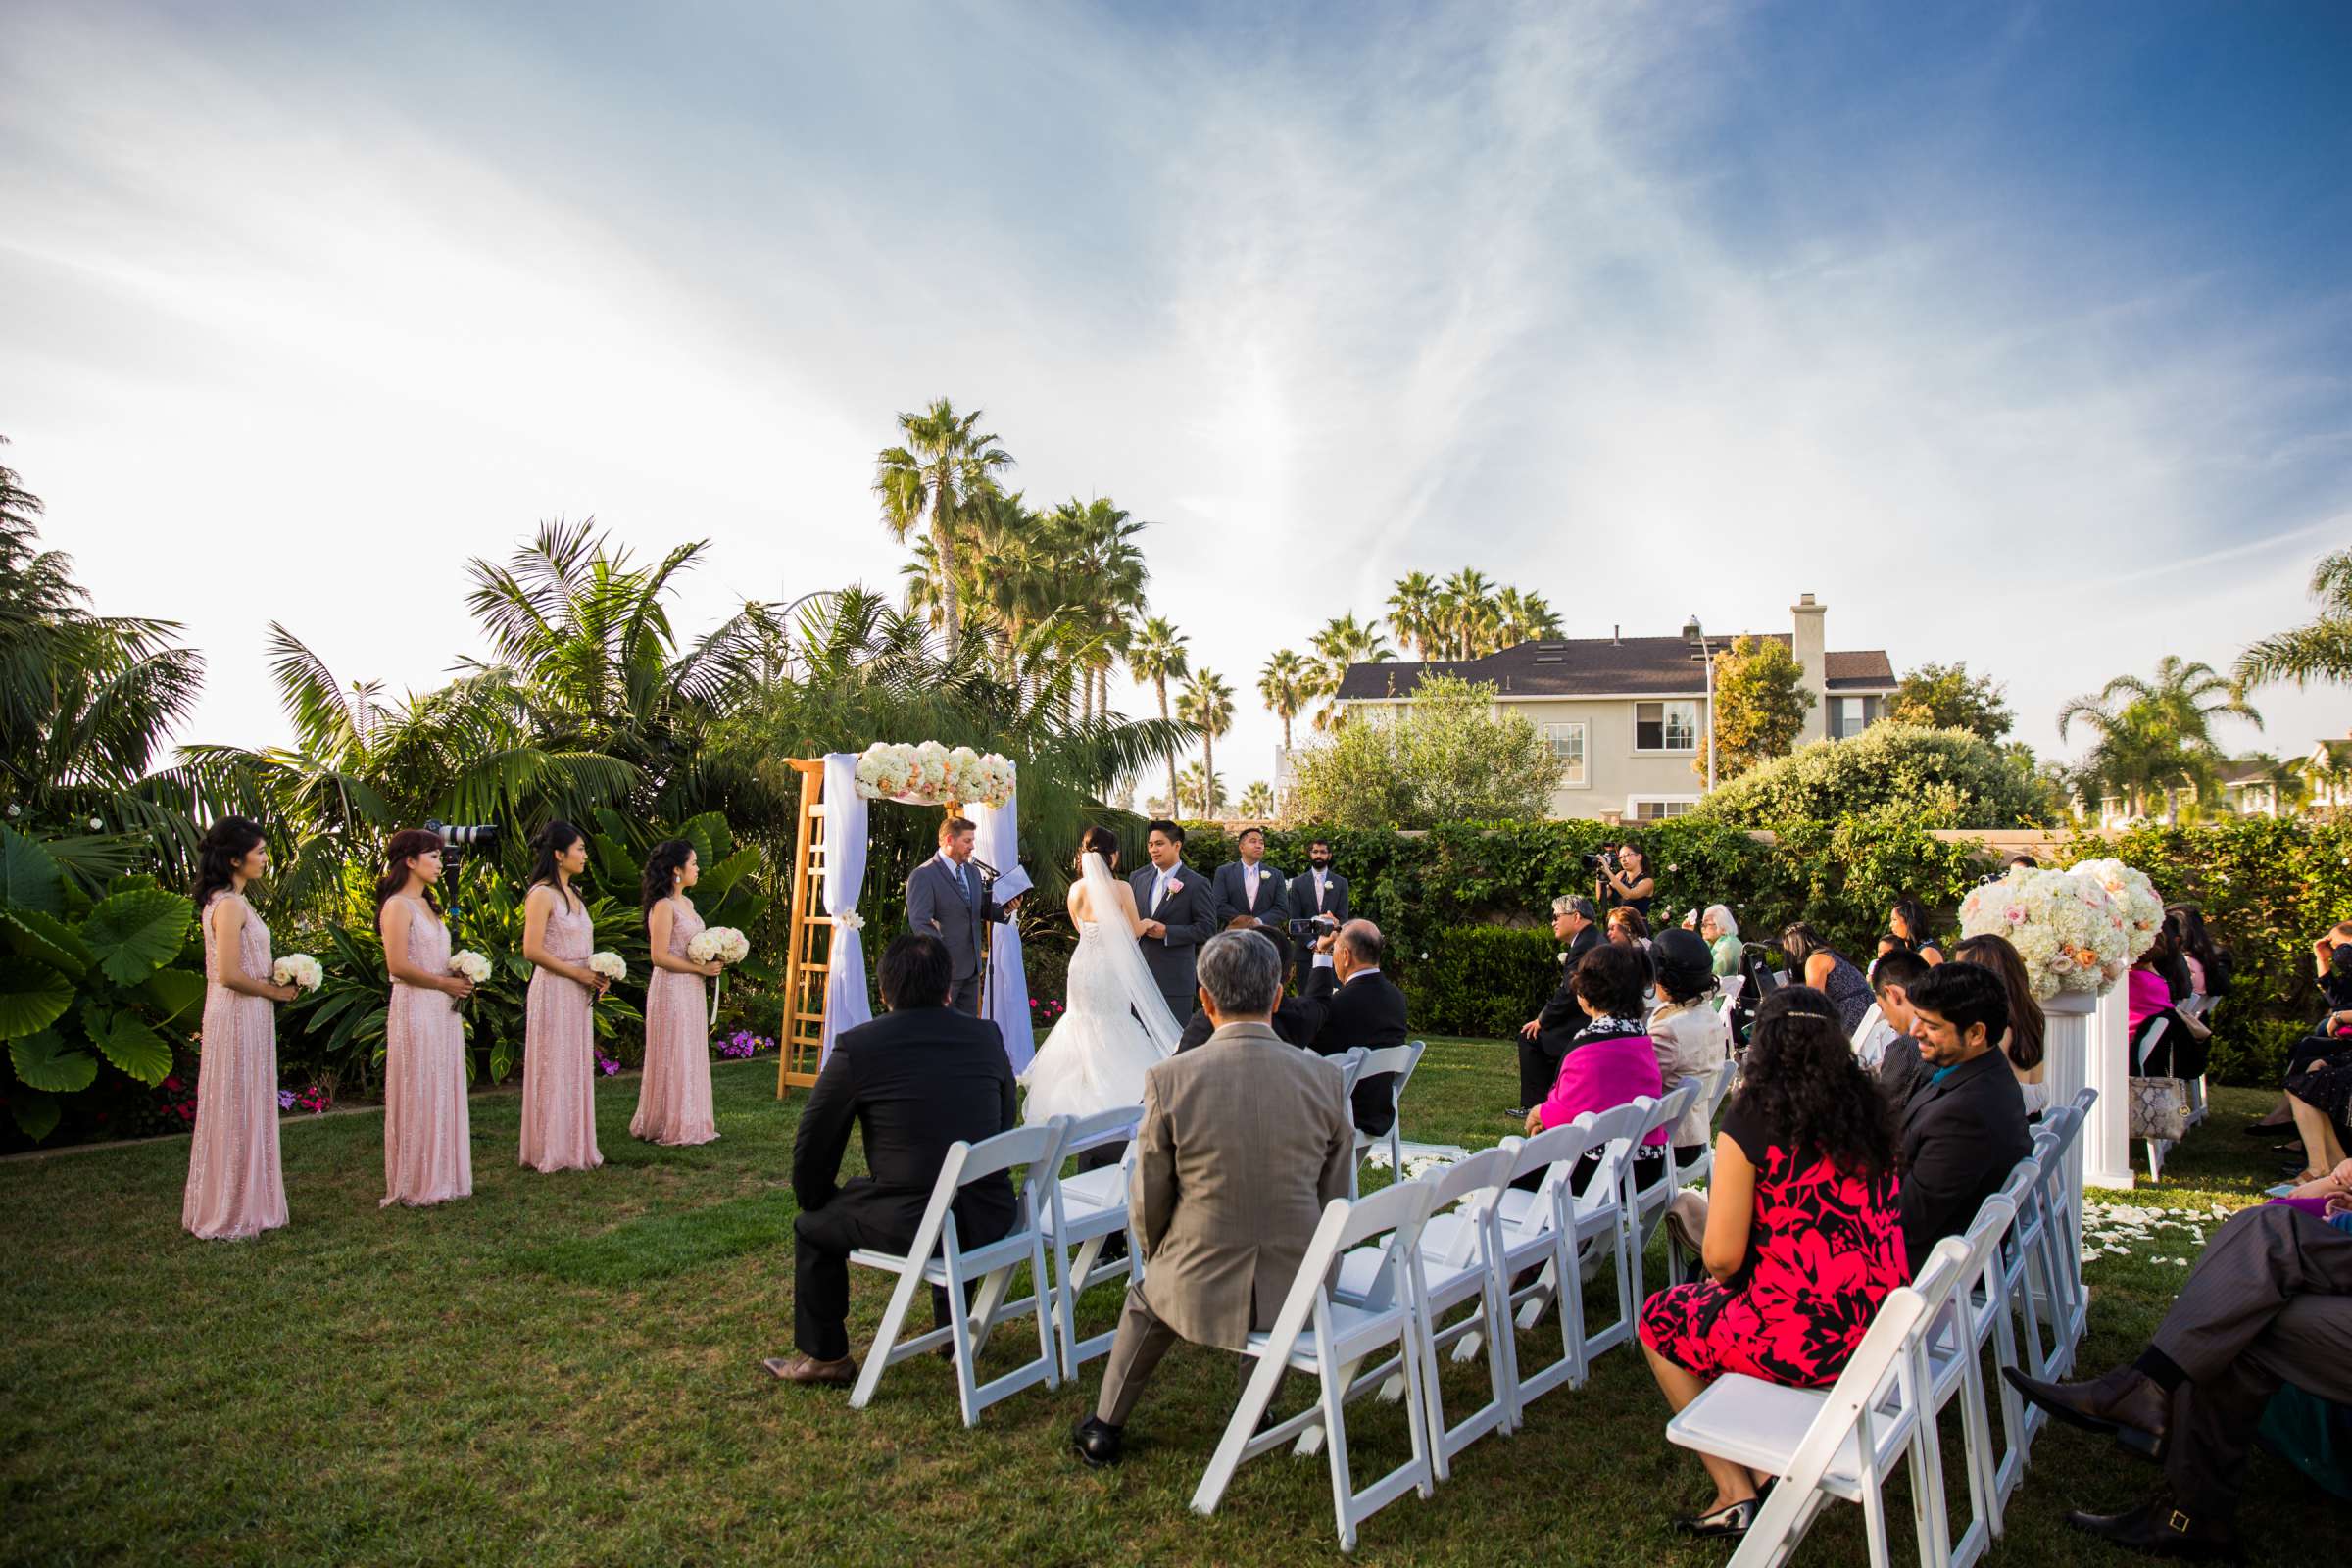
pixel 464 835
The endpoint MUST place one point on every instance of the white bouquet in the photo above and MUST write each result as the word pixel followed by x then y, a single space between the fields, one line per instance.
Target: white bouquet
pixel 467 964
pixel 612 965
pixel 299 971
pixel 995 780
pixel 964 780
pixel 931 771
pixel 2136 899
pixel 885 771
pixel 2066 928
pixel 722 942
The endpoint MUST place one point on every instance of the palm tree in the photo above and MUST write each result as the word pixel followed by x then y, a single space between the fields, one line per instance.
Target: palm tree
pixel 1412 611
pixel 1208 706
pixel 1286 682
pixel 1258 799
pixel 1204 790
pixel 2320 651
pixel 1342 641
pixel 1467 612
pixel 1525 618
pixel 1158 656
pixel 2157 735
pixel 937 479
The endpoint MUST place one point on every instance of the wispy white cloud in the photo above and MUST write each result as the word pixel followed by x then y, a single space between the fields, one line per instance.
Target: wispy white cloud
pixel 302 315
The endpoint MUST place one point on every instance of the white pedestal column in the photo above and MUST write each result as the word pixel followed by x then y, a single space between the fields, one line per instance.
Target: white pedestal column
pixel 2065 1068
pixel 2107 1131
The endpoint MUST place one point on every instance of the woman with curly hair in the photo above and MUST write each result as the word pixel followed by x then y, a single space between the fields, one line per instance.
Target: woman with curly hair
pixel 1803 1236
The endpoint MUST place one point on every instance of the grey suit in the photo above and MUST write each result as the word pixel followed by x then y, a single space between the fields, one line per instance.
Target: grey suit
pixel 1243 1142
pixel 1189 913
pixel 953 911
pixel 2270 1303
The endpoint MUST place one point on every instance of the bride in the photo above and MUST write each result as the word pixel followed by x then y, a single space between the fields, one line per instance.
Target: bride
pixel 1116 1025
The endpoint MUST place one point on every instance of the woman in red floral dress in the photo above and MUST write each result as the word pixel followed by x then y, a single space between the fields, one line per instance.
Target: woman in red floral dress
pixel 1803 1235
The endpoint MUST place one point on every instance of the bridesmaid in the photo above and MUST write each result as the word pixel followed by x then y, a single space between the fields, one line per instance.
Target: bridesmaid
pixel 558 1031
pixel 429 1148
pixel 235 1186
pixel 673 1097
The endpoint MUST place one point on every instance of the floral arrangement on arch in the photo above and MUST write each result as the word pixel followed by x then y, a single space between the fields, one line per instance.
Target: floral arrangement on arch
pixel 932 774
pixel 2072 931
pixel 2142 905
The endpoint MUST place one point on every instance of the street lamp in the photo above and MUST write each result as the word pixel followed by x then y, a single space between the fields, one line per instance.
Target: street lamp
pixel 1698 639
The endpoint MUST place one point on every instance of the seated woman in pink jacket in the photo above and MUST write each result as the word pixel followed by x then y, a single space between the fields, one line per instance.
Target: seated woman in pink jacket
pixel 1612 1061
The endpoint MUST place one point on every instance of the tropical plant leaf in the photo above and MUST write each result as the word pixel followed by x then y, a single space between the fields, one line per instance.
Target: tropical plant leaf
pixel 36 1114
pixel 711 836
pixel 136 1049
pixel 44 1061
pixel 136 932
pixel 720 877
pixel 34 935
pixel 174 993
pixel 33 997
pixel 29 877
pixel 614 864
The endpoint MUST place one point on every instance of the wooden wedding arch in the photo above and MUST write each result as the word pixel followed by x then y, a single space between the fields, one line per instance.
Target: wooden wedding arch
pixel 809 950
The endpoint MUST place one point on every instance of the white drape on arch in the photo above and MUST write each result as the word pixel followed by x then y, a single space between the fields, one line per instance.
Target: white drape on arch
pixel 845 1005
pixel 999 842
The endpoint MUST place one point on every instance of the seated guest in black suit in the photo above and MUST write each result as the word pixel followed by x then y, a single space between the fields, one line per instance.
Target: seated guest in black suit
pixel 1543 1038
pixel 1964 1126
pixel 914 1081
pixel 2270 1304
pixel 1889 1051
pixel 1361 1007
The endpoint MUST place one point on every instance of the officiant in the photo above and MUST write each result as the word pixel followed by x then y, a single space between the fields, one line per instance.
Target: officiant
pixel 948 898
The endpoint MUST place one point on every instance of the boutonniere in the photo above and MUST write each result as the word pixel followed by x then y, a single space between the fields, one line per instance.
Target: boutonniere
pixel 1175 884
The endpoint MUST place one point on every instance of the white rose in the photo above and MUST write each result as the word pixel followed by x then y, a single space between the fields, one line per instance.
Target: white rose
pixel 612 965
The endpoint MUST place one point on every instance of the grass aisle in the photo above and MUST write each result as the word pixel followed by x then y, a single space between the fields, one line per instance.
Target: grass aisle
pixel 564 1370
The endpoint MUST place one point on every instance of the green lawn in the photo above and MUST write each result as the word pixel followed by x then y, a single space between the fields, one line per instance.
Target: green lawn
pixel 564 1370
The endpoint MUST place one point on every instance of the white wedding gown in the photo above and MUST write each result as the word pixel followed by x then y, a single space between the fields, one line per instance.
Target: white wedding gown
pixel 1115 1026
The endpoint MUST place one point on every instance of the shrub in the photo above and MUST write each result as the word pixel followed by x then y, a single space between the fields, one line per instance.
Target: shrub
pixel 1481 980
pixel 1937 777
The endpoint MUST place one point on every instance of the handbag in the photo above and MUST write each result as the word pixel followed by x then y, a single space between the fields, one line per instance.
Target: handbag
pixel 2159 1109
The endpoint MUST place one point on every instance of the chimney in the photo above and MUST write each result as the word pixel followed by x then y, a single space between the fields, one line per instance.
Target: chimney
pixel 1614 630
pixel 1811 646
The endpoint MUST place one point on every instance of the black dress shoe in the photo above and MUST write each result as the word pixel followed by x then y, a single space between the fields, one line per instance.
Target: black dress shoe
pixel 2160 1529
pixel 2123 1404
pixel 1097 1441
pixel 1727 1523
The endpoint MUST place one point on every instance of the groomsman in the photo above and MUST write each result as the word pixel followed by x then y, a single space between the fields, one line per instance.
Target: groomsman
pixel 1250 894
pixel 1180 914
pixel 1318 890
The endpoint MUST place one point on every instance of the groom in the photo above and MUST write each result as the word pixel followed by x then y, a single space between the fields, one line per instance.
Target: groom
pixel 944 899
pixel 1180 913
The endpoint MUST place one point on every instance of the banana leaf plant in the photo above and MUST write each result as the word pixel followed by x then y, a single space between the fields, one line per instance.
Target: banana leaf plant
pixel 89 984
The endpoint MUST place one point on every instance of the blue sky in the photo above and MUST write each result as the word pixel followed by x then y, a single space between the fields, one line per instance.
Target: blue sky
pixel 2018 334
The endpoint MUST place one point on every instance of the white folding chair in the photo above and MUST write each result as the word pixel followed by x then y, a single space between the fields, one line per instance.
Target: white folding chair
pixel 1329 1336
pixel 2200 1007
pixel 1954 1344
pixel 940 1258
pixel 1993 1298
pixel 1718 1082
pixel 1456 1264
pixel 1352 1067
pixel 1650 1184
pixel 1841 1443
pixel 1084 1211
pixel 2142 1049
pixel 2026 1266
pixel 1399 1060
pixel 2064 1241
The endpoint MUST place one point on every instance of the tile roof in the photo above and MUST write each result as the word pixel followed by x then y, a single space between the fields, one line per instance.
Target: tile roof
pixel 1586 666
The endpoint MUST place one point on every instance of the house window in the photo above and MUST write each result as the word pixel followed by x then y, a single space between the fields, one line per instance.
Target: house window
pixel 1851 716
pixel 1567 742
pixel 1657 809
pixel 1665 726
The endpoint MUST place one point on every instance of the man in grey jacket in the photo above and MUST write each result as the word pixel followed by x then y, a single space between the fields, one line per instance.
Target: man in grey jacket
pixel 946 899
pixel 1243 1142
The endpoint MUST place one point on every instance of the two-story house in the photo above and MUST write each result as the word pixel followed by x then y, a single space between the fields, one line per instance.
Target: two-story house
pixel 1624 714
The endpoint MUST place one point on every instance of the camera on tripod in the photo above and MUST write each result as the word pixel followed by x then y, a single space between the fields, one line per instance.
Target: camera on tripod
pixel 458 838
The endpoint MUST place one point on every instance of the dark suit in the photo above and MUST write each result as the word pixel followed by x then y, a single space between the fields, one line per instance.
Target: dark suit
pixel 1961 1138
pixel 1556 1025
pixel 913 1082
pixel 2270 1303
pixel 954 912
pixel 1367 1012
pixel 1189 913
pixel 1304 903
pixel 1229 889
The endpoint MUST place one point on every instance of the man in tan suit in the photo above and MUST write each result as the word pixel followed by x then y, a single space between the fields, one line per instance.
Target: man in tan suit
pixel 1243 1143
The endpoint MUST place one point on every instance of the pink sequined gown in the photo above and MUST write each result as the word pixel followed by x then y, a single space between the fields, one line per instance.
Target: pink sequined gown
pixel 234 1184
pixel 428 1151
pixel 673 1097
pixel 559 1053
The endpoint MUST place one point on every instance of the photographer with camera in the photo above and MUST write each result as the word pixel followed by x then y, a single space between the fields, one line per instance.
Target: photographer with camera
pixel 1624 879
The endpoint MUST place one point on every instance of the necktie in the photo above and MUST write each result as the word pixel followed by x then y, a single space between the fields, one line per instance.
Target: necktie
pixel 1159 892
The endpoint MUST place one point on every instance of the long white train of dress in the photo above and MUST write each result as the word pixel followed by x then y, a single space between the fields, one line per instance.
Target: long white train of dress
pixel 1115 1026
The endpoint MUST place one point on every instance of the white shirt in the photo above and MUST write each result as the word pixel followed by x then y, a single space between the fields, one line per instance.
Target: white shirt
pixel 1250 876
pixel 956 869
pixel 1322 885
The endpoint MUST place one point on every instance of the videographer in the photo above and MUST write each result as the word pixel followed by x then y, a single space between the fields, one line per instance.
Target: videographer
pixel 1543 1038
pixel 1625 879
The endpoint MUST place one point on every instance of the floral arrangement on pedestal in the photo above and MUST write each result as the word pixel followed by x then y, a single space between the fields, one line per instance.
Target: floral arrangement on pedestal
pixel 2076 930
pixel 932 774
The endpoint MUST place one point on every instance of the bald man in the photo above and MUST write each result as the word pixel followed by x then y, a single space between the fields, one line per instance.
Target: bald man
pixel 1361 1007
